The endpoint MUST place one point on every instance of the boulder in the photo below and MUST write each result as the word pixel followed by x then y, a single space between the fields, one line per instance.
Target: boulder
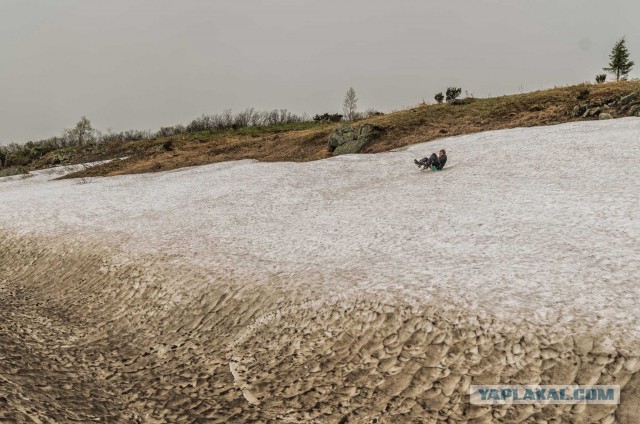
pixel 579 110
pixel 605 116
pixel 366 133
pixel 594 111
pixel 369 131
pixel 341 135
pixel 629 98
pixel 634 110
pixel 350 147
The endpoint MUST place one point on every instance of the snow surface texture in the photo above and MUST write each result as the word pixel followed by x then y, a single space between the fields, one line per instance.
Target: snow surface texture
pixel 538 226
pixel 539 223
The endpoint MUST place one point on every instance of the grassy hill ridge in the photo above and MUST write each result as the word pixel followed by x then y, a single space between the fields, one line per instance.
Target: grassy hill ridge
pixel 307 141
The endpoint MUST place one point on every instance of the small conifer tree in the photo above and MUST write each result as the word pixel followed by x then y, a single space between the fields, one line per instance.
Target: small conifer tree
pixel 619 63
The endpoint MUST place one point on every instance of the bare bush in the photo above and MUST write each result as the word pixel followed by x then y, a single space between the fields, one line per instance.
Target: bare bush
pixel 82 134
pixel 372 112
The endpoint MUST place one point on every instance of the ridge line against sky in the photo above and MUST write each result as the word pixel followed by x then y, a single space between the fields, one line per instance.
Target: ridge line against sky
pixel 143 64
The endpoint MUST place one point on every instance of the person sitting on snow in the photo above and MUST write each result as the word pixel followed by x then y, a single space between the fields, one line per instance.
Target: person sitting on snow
pixel 434 160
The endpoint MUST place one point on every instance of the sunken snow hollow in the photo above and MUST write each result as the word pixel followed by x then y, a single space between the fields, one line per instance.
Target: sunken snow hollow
pixel 535 231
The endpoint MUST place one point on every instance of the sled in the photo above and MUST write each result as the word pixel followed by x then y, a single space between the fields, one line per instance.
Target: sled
pixel 433 168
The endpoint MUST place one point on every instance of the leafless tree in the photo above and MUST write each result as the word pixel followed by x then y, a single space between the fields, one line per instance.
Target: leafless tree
pixel 227 118
pixel 243 118
pixel 350 104
pixel 82 134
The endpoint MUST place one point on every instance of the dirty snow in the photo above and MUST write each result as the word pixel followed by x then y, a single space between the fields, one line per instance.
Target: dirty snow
pixel 539 224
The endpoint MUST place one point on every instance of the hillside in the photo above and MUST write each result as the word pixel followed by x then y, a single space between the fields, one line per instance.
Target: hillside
pixel 308 141
pixel 328 291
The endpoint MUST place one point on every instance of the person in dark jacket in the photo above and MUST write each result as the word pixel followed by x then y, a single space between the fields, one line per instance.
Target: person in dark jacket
pixel 434 160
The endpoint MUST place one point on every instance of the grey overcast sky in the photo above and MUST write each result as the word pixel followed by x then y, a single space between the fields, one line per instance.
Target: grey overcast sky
pixel 141 64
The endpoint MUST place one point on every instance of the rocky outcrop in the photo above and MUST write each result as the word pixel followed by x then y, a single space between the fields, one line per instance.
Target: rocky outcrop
pixel 628 105
pixel 629 99
pixel 341 135
pixel 353 146
pixel 369 131
pixel 346 142
pixel 592 112
pixel 579 110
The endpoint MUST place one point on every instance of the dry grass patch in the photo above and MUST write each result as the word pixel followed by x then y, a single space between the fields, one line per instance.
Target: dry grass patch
pixel 419 124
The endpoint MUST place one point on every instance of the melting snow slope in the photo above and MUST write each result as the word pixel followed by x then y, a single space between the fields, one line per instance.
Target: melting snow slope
pixel 540 224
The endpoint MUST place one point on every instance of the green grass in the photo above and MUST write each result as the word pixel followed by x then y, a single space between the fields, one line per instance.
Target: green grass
pixel 257 130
